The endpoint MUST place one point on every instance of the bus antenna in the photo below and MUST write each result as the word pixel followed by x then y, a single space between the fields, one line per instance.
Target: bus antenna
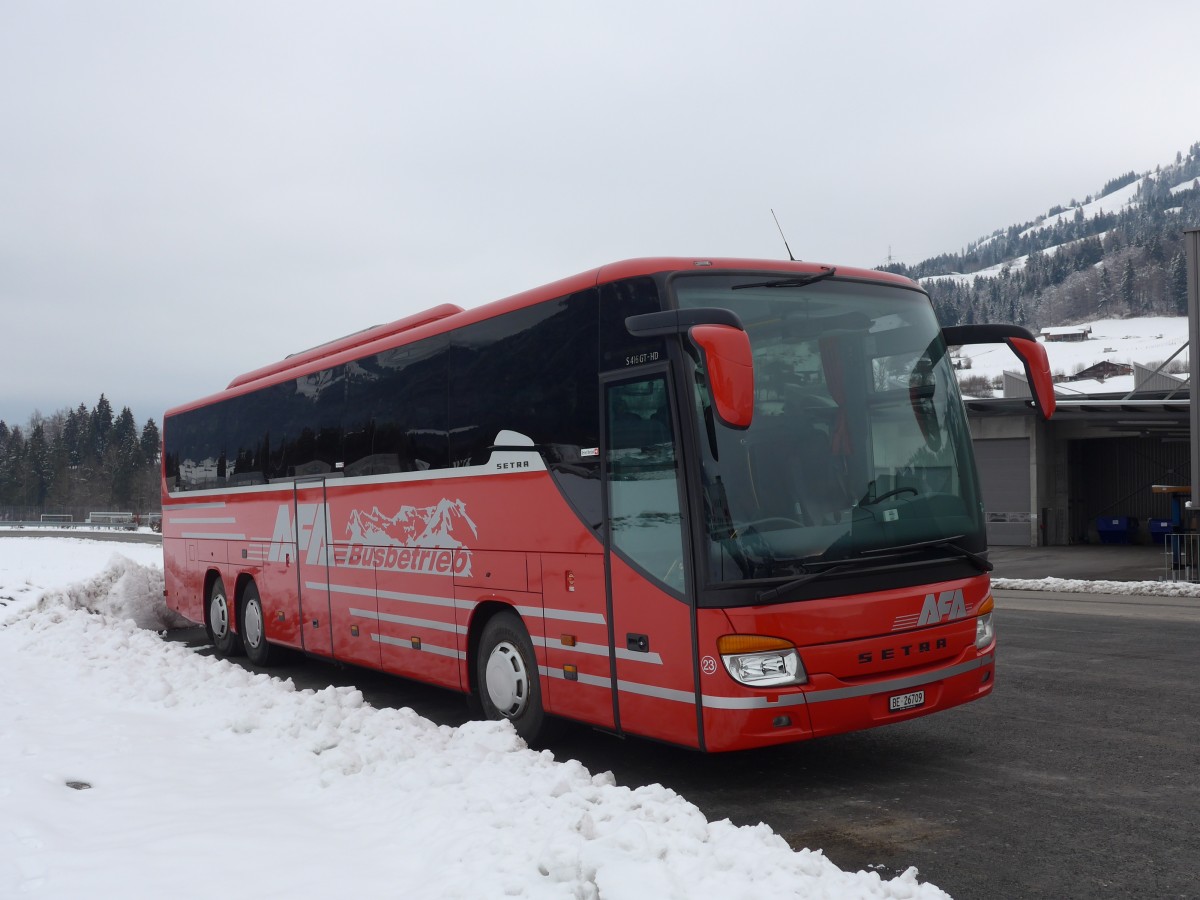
pixel 782 235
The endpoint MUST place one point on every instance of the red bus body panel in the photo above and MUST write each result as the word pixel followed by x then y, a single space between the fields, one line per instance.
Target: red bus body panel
pixel 858 651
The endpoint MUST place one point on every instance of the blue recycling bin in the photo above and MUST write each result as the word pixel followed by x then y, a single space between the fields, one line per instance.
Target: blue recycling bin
pixel 1159 529
pixel 1116 529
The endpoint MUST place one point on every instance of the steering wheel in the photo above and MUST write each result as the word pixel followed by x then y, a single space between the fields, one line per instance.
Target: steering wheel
pixel 791 523
pixel 893 493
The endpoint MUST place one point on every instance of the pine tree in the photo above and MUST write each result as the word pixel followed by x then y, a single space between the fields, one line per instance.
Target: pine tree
pixel 151 443
pixel 12 469
pixel 124 428
pixel 102 423
pixel 38 473
pixel 1177 295
pixel 1126 287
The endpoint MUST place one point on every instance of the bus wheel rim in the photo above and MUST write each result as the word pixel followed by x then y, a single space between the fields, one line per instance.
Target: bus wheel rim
pixel 507 680
pixel 253 625
pixel 218 614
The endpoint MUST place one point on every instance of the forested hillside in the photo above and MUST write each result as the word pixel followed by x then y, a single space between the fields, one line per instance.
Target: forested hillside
pixel 79 461
pixel 1117 253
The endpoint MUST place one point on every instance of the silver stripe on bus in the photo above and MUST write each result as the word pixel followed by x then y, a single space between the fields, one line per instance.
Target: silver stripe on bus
pixel 597 650
pixel 382 595
pixel 903 622
pixel 650 690
pixel 214 535
pixel 795 699
pixel 406 644
pixel 531 612
pixel 564 615
pixel 406 620
pixel 712 702
pixel 897 684
pixel 178 507
pixel 172 520
pixel 581 677
pixel 490 468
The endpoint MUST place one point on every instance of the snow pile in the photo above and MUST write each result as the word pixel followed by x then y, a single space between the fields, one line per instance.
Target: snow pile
pixel 193 776
pixel 1132 588
pixel 124 590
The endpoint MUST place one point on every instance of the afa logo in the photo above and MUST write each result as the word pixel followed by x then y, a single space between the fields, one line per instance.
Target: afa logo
pixel 310 532
pixel 945 607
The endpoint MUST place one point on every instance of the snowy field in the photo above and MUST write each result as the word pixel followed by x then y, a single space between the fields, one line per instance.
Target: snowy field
pixel 1148 341
pixel 132 767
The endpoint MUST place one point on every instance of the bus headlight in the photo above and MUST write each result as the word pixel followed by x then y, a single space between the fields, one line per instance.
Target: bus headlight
pixel 758 661
pixel 985 630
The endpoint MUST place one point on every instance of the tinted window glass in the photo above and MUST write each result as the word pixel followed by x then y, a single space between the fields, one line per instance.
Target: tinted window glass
pixel 192 447
pixel 277 432
pixel 305 426
pixel 396 408
pixel 618 348
pixel 532 371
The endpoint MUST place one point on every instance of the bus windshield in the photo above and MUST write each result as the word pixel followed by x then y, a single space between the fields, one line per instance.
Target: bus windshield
pixel 859 444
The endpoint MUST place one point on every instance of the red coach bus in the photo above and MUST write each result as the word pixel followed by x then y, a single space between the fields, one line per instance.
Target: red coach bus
pixel 721 503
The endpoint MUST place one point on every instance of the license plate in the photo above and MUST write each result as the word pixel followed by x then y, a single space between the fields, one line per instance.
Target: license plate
pixel 906 701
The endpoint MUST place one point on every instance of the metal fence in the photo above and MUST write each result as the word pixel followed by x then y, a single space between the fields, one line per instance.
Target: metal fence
pixel 22 518
pixel 1182 557
pixel 57 526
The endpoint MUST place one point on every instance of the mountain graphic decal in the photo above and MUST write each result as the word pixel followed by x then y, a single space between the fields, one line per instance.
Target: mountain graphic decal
pixel 430 540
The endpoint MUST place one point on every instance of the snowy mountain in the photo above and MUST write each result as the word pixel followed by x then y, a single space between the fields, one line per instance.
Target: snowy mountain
pixel 1116 254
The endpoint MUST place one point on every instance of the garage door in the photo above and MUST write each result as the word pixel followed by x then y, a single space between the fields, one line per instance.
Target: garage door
pixel 1004 478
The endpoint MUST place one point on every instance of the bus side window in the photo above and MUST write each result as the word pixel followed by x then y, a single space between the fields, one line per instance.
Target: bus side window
pixel 646 524
pixel 396 410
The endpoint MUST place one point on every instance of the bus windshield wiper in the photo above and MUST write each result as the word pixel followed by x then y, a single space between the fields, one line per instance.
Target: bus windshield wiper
pixel 766 596
pixel 796 281
pixel 948 543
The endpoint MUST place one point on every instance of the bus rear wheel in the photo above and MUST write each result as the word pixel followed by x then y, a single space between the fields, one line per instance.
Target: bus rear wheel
pixel 507 678
pixel 254 628
pixel 219 621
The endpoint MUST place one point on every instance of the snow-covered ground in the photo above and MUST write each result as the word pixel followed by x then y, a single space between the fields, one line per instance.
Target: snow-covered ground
pixel 133 767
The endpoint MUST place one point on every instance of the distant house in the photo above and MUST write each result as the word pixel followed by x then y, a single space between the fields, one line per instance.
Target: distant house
pixel 1067 333
pixel 1100 371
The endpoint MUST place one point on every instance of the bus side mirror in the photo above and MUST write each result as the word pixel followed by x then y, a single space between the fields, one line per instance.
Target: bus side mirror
pixel 722 340
pixel 1022 342
pixel 730 367
pixel 1037 370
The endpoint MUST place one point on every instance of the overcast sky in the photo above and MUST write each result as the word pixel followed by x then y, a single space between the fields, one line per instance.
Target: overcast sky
pixel 191 191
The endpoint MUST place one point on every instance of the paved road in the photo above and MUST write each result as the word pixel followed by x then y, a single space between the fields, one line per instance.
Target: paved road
pixel 1078 777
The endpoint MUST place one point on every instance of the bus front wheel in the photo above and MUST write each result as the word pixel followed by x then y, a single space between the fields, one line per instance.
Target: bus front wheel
pixel 254 627
pixel 507 676
pixel 220 621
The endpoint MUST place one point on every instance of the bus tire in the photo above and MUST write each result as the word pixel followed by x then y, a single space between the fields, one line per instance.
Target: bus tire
pixel 219 621
pixel 506 672
pixel 253 627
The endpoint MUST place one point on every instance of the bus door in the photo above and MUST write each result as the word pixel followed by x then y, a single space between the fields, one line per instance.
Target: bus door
pixel 652 620
pixel 314 554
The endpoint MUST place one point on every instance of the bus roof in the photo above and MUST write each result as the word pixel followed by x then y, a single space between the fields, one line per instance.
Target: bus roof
pixel 449 316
